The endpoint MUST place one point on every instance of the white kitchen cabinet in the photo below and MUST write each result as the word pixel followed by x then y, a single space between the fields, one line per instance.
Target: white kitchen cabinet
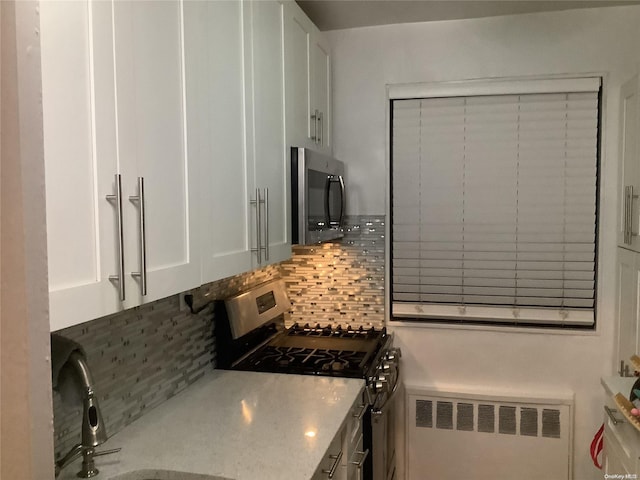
pixel 184 101
pixel 80 161
pixel 308 82
pixel 152 128
pixel 628 222
pixel 344 457
pixel 214 59
pixel 628 289
pixel 114 111
pixel 268 159
pixel 621 443
pixel 236 118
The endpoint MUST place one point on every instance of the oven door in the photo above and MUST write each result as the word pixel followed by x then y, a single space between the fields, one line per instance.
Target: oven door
pixel 383 434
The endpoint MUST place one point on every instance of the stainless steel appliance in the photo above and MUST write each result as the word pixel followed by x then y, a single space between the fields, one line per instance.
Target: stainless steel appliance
pixel 318 197
pixel 250 335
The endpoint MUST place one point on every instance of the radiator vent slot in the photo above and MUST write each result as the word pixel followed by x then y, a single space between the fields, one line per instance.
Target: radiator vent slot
pixel 529 421
pixel 499 436
pixel 424 413
pixel 465 417
pixel 550 423
pixel 481 417
pixel 486 418
pixel 444 415
pixel 507 420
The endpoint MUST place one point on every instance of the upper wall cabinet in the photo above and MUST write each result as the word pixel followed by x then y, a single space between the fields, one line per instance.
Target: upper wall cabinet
pixel 265 90
pixel 167 135
pixel 159 187
pixel 235 98
pixel 120 193
pixel 629 211
pixel 308 81
pixel 215 64
pixel 80 162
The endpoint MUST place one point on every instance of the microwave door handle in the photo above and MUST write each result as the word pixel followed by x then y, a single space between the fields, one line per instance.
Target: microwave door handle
pixel 327 204
pixel 343 200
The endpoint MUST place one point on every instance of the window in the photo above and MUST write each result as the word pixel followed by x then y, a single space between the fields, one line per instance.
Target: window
pixel 494 202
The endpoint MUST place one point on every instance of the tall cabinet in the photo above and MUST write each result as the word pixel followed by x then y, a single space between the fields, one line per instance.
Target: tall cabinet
pixel 628 257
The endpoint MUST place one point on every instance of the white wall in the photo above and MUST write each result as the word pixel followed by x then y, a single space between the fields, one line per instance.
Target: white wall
pixel 26 427
pixel 573 42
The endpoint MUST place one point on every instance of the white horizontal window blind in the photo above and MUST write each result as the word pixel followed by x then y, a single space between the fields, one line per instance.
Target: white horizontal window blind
pixel 494 207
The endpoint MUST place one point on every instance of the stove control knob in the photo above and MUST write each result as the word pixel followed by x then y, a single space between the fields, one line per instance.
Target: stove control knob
pixel 385 367
pixel 381 383
pixel 394 354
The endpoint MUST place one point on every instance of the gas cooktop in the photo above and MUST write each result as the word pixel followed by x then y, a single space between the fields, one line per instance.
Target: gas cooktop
pixel 316 350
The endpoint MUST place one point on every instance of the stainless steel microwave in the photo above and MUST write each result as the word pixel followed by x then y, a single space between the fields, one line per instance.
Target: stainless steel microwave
pixel 318 197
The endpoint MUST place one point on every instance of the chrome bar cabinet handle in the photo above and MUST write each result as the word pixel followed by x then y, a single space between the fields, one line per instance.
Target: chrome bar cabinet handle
pixel 258 248
pixel 364 454
pixel 321 121
pixel 117 198
pixel 266 224
pixel 625 210
pixel 142 274
pixel 334 467
pixel 314 116
pixel 359 415
pixel 629 197
pixel 610 413
pixel 318 121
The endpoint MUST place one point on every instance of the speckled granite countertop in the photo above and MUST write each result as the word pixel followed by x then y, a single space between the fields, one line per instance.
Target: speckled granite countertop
pixel 237 425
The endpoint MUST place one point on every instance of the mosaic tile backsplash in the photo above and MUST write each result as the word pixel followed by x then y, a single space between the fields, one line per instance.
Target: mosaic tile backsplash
pixel 340 283
pixel 141 357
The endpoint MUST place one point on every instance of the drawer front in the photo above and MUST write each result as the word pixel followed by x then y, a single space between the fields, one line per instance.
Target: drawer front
pixel 356 461
pixel 354 420
pixel 617 459
pixel 332 465
pixel 622 432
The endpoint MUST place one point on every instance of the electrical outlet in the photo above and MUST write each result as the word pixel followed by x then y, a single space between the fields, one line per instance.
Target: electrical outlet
pixel 183 306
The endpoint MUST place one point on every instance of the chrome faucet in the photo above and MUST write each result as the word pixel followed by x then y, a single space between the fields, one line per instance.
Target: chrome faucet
pixel 93 429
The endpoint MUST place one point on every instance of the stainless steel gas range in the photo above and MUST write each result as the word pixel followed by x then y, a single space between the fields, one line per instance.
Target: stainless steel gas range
pixel 250 335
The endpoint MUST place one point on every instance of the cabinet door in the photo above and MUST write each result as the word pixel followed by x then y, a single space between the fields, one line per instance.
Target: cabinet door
pixel 271 167
pixel 613 465
pixel 321 88
pixel 308 82
pixel 80 160
pixel 298 31
pixel 215 102
pixel 152 144
pixel 628 277
pixel 629 168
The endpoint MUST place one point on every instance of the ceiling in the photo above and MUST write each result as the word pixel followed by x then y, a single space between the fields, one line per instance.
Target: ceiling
pixel 339 14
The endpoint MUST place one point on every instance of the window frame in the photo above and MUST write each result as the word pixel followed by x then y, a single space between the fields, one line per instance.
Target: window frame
pixel 502 86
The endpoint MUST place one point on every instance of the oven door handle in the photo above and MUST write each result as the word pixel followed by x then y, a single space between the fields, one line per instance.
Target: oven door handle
pixel 381 410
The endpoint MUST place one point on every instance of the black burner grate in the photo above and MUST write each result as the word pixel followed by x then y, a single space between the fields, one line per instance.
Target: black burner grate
pixel 306 361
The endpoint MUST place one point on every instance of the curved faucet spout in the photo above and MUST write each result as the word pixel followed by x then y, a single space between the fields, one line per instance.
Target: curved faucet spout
pixel 93 429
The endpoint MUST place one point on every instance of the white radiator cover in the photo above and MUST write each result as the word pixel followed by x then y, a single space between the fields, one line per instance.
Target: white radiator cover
pixel 476 435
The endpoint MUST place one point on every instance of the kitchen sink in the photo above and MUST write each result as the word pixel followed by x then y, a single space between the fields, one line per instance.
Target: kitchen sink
pixel 165 475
